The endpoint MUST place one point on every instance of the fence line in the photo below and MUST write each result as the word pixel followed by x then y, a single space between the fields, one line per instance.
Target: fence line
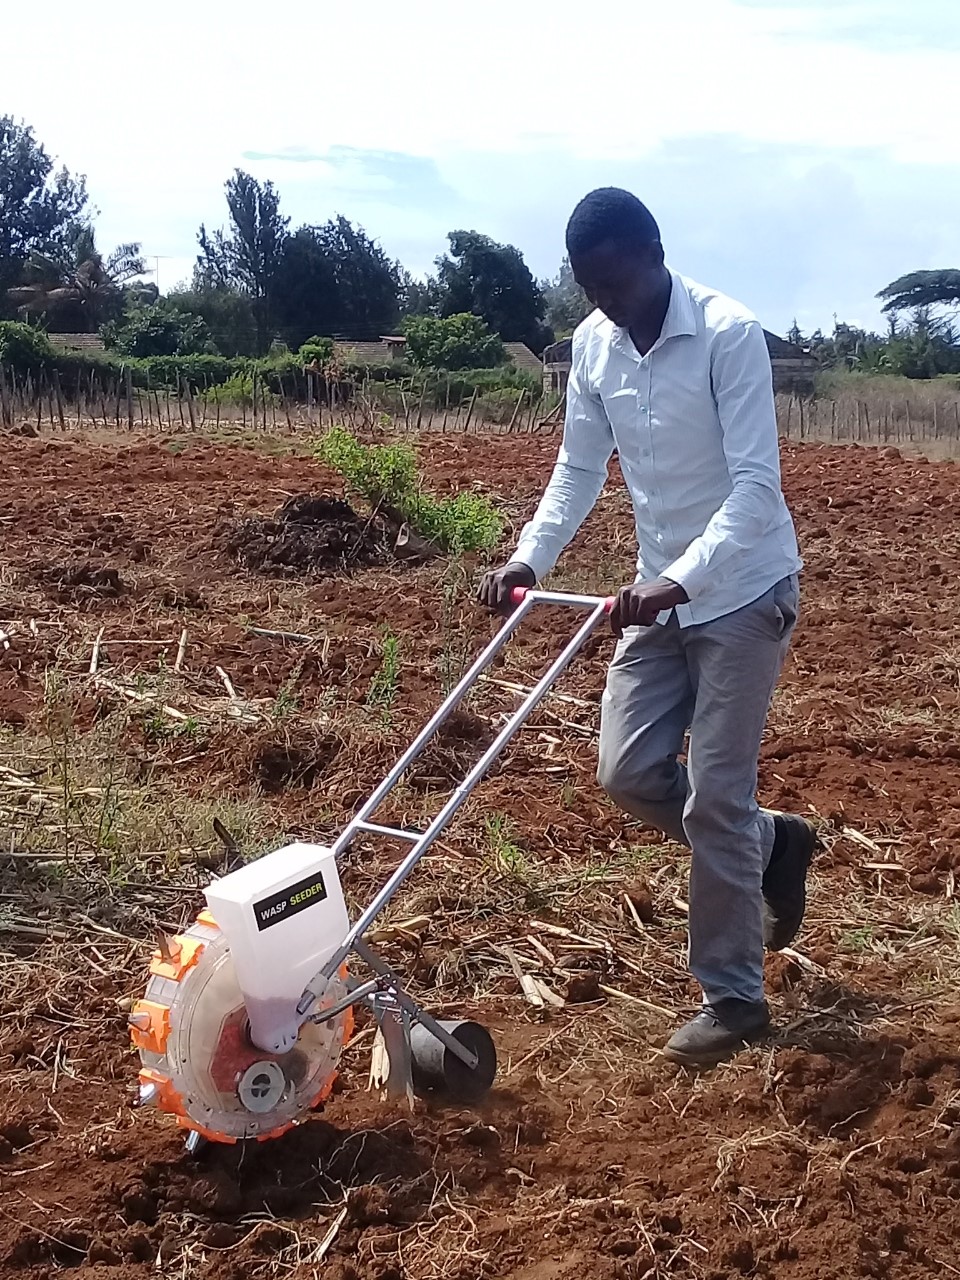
pixel 116 403
pixel 846 419
pixel 44 401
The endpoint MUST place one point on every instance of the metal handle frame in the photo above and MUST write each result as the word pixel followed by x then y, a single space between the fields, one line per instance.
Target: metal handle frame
pixel 421 841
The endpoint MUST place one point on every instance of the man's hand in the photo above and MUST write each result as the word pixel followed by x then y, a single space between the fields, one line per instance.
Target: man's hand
pixel 639 604
pixel 497 585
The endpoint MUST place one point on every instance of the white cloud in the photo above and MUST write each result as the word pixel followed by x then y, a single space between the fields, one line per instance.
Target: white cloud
pixel 157 104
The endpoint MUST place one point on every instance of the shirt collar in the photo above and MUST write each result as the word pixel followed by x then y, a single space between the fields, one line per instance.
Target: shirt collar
pixel 679 321
pixel 680 318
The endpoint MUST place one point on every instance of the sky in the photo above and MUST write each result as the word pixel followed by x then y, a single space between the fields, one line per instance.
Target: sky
pixel 798 154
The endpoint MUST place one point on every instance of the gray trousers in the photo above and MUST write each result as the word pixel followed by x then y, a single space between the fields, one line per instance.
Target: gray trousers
pixel 715 679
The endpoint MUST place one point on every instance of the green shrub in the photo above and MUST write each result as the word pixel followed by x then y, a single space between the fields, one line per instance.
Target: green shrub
pixel 465 522
pixel 24 348
pixel 462 341
pixel 316 351
pixel 386 475
pixel 200 371
pixel 238 390
pixel 158 330
pixel 381 473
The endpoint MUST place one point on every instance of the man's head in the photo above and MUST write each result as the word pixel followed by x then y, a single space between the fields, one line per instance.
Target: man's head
pixel 615 253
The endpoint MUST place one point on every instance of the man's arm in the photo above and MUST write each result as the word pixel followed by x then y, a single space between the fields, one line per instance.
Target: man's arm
pixel 743 389
pixel 578 477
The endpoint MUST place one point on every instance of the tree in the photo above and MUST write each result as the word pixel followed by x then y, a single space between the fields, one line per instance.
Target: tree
pixel 38 208
pixel 247 257
pixel 417 297
pixel 74 286
pixel 566 303
pixel 159 330
pixel 849 347
pixel 925 349
pixel 334 280
pixel 23 347
pixel 922 289
pixel 794 334
pixel 492 281
pixel 453 342
pixel 227 314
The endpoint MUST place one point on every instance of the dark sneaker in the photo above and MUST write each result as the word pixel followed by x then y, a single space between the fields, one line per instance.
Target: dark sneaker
pixel 718 1032
pixel 785 879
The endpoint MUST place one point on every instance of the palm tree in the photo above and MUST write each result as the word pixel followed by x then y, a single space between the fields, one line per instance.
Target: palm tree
pixel 78 288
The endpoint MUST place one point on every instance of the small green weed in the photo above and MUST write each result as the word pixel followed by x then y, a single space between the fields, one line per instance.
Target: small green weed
pixel 157 728
pixel 857 939
pixel 457 641
pixel 287 701
pixel 507 854
pixel 383 687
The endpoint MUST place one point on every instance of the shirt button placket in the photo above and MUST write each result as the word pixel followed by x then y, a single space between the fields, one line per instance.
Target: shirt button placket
pixel 647 384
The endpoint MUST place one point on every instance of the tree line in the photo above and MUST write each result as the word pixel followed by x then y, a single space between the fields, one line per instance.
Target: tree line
pixel 259 284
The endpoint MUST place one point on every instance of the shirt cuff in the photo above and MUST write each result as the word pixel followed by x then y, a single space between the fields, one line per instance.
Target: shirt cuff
pixel 532 554
pixel 689 572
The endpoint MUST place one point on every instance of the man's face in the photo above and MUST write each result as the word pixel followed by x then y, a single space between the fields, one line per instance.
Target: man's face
pixel 622 283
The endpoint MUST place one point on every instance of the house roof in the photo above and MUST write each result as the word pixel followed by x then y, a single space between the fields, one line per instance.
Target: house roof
pixel 364 352
pixel 76 341
pixel 559 352
pixel 521 356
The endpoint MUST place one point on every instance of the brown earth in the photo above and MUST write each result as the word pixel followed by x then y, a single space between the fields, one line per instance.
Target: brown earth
pixel 834 1152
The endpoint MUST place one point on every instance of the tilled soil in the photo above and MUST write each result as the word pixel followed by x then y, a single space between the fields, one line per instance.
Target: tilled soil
pixel 833 1153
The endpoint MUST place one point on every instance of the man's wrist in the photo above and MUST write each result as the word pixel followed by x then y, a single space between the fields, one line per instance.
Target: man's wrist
pixel 677 587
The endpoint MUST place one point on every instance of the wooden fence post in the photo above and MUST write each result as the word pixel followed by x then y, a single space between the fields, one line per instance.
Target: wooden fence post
pixel 189 395
pixel 6 409
pixel 473 401
pixel 516 410
pixel 58 390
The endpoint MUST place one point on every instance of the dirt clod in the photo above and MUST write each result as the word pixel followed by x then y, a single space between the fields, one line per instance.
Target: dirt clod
pixel 311 533
pixel 80 581
pixel 641 896
pixel 278 765
pixel 582 988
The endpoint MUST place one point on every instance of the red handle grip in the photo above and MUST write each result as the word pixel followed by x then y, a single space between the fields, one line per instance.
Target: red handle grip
pixel 519 594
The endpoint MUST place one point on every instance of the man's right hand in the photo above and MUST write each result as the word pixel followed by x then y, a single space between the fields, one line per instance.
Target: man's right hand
pixel 497 586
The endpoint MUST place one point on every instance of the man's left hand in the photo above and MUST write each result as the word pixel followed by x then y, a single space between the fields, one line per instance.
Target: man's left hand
pixel 639 604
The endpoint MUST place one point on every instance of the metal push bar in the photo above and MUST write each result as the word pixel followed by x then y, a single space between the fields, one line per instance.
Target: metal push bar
pixel 421 841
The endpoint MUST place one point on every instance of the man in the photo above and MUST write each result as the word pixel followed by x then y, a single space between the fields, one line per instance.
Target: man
pixel 676 379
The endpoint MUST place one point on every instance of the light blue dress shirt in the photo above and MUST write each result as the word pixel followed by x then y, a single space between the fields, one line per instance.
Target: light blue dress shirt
pixel 693 423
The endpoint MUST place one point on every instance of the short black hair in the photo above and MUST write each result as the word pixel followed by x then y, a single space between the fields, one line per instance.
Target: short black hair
pixel 609 213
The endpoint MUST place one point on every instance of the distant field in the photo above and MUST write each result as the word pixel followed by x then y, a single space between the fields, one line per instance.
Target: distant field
pixel 925 416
